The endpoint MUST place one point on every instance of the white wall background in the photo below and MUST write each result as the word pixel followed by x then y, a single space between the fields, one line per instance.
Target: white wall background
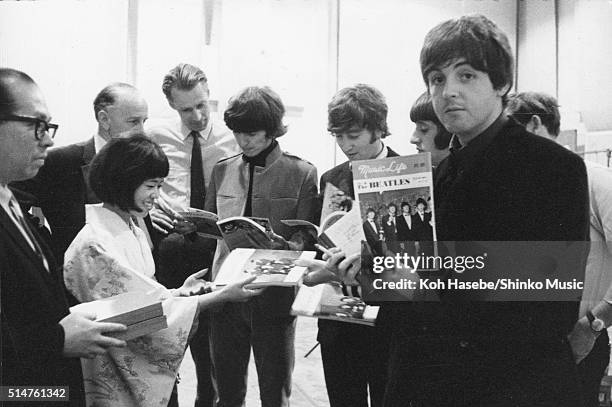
pixel 304 49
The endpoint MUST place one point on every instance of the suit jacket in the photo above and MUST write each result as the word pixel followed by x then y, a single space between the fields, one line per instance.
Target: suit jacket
pixel 518 187
pixel 373 237
pixel 422 229
pixel 61 190
pixel 405 233
pixel 371 233
pixel 390 231
pixel 33 303
pixel 286 188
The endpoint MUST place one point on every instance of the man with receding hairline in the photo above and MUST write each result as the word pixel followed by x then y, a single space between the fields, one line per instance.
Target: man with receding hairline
pixel 61 187
pixel 41 341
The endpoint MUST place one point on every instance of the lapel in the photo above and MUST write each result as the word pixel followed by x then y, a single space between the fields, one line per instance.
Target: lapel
pixel 89 151
pixel 9 229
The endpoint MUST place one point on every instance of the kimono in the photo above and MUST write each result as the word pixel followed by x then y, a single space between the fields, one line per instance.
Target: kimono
pixel 109 257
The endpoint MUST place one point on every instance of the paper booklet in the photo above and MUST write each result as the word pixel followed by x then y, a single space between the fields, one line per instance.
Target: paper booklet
pixel 396 180
pixel 327 301
pixel 272 267
pixel 141 313
pixel 243 232
pixel 334 200
pixel 339 228
pixel 237 231
pixel 206 222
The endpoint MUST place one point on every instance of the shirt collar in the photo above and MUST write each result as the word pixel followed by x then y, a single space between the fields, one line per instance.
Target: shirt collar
pixel 99 142
pixel 384 153
pixel 5 195
pixel 205 134
pixel 478 144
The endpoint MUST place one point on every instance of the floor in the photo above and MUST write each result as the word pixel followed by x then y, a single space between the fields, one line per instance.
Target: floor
pixel 308 383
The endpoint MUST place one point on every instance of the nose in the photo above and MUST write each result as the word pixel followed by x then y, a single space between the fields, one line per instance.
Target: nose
pixel 197 115
pixel 450 87
pixel 140 127
pixel 242 140
pixel 343 143
pixel 155 193
pixel 415 139
pixel 46 141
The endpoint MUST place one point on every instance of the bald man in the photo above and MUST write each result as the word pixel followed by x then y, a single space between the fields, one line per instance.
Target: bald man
pixel 61 187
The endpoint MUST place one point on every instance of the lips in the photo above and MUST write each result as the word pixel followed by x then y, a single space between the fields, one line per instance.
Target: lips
pixel 452 109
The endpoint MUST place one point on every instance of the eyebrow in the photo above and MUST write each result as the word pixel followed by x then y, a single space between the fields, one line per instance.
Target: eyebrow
pixel 461 63
pixel 457 64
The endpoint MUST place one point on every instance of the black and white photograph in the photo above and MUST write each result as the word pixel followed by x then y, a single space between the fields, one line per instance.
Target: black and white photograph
pixel 118 118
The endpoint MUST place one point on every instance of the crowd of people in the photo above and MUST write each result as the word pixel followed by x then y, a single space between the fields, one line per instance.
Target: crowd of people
pixel 112 204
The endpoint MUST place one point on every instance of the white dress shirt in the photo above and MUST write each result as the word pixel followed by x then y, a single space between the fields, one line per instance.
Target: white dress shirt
pixel 216 141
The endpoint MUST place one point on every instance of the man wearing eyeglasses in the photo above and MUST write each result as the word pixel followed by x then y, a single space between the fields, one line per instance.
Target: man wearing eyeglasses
pixel 61 187
pixel 41 341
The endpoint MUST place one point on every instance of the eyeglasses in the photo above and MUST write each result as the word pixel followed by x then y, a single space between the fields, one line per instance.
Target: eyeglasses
pixel 41 127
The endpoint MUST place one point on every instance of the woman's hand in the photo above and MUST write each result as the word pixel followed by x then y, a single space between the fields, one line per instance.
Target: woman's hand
pixel 194 285
pixel 237 292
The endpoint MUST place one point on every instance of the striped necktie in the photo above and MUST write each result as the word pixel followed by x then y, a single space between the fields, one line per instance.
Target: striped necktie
pixel 26 228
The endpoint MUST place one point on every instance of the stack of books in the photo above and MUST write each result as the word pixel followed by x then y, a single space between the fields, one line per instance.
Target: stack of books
pixel 141 313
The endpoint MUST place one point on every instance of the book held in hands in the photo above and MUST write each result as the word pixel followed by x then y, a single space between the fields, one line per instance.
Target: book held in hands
pixel 327 301
pixel 340 223
pixel 236 231
pixel 141 313
pixel 271 267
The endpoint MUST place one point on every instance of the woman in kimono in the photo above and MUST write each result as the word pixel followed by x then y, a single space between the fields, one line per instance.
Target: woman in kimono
pixel 111 255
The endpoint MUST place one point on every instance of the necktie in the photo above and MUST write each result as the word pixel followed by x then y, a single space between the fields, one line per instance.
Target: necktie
pixel 197 173
pixel 26 228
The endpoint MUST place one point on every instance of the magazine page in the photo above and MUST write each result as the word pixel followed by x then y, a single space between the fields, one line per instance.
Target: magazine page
pixel 309 227
pixel 313 229
pixel 327 301
pixel 271 267
pixel 395 199
pixel 334 200
pixel 205 222
pixel 241 232
pixel 346 233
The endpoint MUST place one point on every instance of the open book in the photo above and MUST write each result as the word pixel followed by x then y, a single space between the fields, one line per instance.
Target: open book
pixel 327 301
pixel 318 232
pixel 141 313
pixel 340 224
pixel 271 267
pixel 237 231
pixel 205 222
pixel 243 232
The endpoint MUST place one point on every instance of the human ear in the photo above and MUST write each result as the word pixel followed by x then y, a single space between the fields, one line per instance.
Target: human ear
pixel 104 119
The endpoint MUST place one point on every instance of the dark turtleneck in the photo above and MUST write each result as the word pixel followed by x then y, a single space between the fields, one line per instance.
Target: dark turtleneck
pixel 260 161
